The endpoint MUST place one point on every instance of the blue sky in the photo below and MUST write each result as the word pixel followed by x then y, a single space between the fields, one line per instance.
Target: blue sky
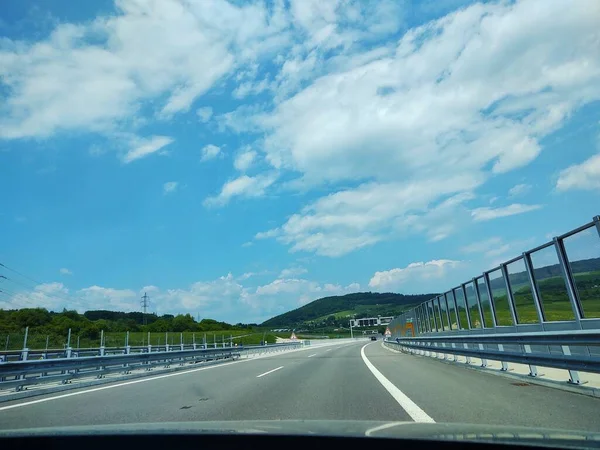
pixel 238 159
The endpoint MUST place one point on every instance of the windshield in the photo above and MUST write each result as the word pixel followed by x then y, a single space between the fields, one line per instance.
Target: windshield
pixel 326 210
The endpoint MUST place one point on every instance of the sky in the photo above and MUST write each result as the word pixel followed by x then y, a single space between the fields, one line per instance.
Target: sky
pixel 238 159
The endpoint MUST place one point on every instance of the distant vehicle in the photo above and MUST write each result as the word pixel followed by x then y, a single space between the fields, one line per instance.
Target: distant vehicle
pixel 373 338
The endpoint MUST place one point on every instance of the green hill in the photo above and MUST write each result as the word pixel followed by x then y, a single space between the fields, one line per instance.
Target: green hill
pixel 336 309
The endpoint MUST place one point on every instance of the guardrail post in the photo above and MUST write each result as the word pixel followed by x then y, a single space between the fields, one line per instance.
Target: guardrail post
pixel 127 346
pixel 504 364
pixel 25 350
pixel 204 344
pixel 149 344
pixel 573 374
pixel 484 362
pixel 102 348
pixel 69 349
pixel 532 369
pixel 167 341
pixel 194 340
pixel 102 351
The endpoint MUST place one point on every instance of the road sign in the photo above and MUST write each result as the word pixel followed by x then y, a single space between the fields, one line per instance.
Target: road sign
pixel 388 333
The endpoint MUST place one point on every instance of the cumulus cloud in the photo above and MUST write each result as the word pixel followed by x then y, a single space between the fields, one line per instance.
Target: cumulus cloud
pixel 244 160
pixel 472 93
pixel 584 176
pixel 487 213
pixel 65 271
pixel 170 187
pixel 348 220
pixel 223 298
pixel 519 189
pixel 418 272
pixel 243 186
pixel 144 147
pixel 209 152
pixel 292 272
pixel 204 113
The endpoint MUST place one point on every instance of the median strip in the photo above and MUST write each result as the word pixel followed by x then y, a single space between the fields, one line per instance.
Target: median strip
pixel 270 371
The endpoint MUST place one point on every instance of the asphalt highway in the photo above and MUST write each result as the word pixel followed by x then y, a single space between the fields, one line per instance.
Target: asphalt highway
pixel 358 380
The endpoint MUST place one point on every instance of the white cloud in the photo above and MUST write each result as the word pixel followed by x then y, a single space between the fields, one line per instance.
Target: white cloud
pixel 209 152
pixel 244 160
pixel 483 246
pixel 142 148
pixel 97 297
pixel 204 113
pixel 292 272
pixel 284 294
pixel 65 271
pixel 519 189
pixel 97 75
pixel 243 186
pixel 585 176
pixel 170 187
pixel 223 298
pixel 471 94
pixel 424 272
pixel 348 220
pixel 487 213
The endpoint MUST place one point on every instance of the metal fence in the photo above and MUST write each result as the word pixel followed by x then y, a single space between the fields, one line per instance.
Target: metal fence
pixel 553 287
pixel 24 372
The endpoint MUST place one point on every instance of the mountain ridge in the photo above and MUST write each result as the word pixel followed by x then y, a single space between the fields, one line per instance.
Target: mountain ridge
pixel 358 304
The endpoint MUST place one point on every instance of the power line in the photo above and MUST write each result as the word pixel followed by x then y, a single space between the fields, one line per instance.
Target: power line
pixel 21 274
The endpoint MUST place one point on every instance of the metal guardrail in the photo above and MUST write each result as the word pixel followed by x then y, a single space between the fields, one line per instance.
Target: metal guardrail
pixel 568 350
pixel 18 374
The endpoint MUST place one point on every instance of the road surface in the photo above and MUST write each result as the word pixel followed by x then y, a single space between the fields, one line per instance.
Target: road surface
pixel 359 380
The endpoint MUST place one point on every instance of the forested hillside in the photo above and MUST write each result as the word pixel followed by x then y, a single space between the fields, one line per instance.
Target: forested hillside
pixel 360 304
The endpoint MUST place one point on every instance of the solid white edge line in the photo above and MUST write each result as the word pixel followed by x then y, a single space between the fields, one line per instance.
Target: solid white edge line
pixel 158 377
pixel 411 408
pixel 270 371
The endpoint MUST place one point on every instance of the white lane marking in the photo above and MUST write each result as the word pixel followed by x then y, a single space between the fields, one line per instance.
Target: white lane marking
pixel 145 380
pixel 411 408
pixel 270 371
pixel 329 349
pixel 310 356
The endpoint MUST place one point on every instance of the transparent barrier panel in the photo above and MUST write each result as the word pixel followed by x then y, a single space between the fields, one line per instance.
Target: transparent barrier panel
pixel 485 303
pixel 500 298
pixel 472 305
pixel 462 309
pixel 438 315
pixel 443 312
pixel 551 285
pixel 430 312
pixel 451 310
pixel 521 291
pixel 583 253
